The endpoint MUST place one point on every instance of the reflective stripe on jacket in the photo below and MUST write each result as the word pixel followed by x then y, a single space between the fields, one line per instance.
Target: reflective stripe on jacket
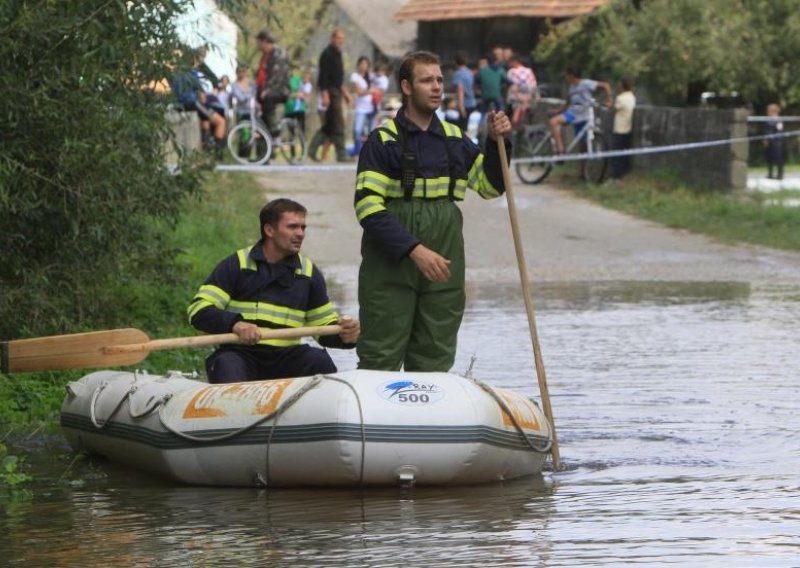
pixel 440 151
pixel 245 287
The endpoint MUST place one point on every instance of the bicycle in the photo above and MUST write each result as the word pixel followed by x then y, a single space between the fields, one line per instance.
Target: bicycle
pixel 251 143
pixel 537 142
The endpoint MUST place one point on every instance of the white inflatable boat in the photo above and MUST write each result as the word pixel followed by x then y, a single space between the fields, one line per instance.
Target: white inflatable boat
pixel 351 428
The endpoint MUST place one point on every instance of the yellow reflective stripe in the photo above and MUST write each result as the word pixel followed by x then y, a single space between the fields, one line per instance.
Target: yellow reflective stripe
pixel 306 267
pixel 431 188
pixel 195 307
pixel 280 342
pixel 273 313
pixel 477 180
pixel 369 205
pixel 214 295
pixel 375 182
pixel 450 129
pixel 322 315
pixel 245 262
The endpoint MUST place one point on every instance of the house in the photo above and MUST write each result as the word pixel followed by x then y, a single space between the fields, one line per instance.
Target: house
pixel 475 26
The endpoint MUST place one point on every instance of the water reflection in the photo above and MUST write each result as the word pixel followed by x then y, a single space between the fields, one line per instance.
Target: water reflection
pixel 676 406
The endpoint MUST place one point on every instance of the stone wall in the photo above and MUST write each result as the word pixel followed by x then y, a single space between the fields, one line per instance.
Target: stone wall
pixel 722 167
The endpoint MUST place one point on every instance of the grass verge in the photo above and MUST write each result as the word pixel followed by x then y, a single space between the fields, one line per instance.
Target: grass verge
pixel 760 219
pixel 226 218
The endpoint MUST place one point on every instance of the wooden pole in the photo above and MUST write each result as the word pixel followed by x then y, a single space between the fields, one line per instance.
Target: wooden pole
pixel 526 294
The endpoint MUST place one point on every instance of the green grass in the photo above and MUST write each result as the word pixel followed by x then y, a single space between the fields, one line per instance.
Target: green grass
pixel 211 229
pixel 661 197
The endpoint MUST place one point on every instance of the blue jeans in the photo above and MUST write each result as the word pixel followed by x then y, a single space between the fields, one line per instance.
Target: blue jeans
pixel 361 128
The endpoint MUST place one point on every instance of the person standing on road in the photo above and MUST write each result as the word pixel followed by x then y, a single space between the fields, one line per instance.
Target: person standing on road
pixel 578 107
pixel 269 285
pixel 622 134
pixel 272 78
pixel 774 144
pixel 332 92
pixel 411 173
pixel 464 86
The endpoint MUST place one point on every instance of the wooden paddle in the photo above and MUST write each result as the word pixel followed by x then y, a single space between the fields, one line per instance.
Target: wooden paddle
pixel 117 347
pixel 526 293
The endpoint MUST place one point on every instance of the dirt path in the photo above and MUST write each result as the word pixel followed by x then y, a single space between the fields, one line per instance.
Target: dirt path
pixel 565 238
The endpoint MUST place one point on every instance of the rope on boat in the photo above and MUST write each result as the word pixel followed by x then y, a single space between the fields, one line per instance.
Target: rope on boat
pixel 502 403
pixel 96 396
pixel 310 384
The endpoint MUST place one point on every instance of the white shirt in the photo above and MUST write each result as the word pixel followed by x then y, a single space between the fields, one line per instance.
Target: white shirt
pixel 363 102
pixel 623 115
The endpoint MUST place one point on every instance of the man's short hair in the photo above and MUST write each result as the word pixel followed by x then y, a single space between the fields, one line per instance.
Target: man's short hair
pixel 272 212
pixel 461 57
pixel 575 71
pixel 406 70
pixel 265 35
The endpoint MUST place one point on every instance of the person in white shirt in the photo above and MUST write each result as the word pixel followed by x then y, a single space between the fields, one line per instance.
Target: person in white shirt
pixel 622 133
pixel 364 106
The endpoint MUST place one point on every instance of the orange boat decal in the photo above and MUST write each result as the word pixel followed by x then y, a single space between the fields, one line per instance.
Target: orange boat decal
pixel 523 410
pixel 216 401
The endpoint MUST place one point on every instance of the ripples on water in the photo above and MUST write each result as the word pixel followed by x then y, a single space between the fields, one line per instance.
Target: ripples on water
pixel 676 406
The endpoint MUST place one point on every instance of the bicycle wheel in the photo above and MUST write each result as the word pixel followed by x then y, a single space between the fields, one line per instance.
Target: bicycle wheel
pixel 291 142
pixel 534 143
pixel 249 144
pixel 594 169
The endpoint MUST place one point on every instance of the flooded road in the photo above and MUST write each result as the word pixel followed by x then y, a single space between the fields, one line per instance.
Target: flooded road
pixel 676 405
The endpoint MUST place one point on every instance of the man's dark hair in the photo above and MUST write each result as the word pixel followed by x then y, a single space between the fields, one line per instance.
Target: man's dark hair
pixel 627 83
pixel 461 57
pixel 272 212
pixel 574 71
pixel 265 35
pixel 406 70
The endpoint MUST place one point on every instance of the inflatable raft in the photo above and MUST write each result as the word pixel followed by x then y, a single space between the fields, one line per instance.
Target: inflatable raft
pixel 352 428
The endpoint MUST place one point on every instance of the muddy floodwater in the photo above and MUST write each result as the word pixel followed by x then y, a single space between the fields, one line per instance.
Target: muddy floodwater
pixel 677 406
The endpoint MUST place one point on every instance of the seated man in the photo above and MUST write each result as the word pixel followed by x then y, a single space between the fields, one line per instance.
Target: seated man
pixel 187 89
pixel 269 285
pixel 578 107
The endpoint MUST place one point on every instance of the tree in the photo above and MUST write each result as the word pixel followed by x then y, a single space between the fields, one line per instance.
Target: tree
pixel 85 200
pixel 678 48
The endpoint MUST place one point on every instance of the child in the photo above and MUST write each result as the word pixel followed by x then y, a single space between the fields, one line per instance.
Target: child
pixel 451 111
pixel 295 106
pixel 774 146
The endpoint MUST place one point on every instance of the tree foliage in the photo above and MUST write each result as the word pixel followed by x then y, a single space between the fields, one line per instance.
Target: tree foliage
pixel 678 48
pixel 85 200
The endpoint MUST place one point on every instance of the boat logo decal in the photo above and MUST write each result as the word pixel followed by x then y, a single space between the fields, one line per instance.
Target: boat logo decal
pixel 255 399
pixel 525 411
pixel 411 392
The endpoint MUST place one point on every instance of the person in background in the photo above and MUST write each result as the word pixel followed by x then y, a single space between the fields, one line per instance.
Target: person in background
pixel 521 89
pixel 243 92
pixel 364 107
pixel 223 93
pixel 380 82
pixel 272 78
pixel 464 87
pixel 296 105
pixel 774 145
pixel 577 110
pixel 622 133
pixel 451 113
pixel 333 96
pixel 269 285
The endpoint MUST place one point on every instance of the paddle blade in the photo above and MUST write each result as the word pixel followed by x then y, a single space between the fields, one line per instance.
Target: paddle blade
pixel 73 351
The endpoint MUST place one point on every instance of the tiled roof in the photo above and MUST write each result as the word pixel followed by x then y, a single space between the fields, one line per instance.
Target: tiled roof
pixel 468 9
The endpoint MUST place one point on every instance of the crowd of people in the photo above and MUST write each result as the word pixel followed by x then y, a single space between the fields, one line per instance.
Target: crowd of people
pixel 500 80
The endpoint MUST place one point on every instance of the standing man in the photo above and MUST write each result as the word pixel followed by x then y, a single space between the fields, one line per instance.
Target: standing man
pixel 621 136
pixel 410 175
pixel 272 78
pixel 269 285
pixel 332 92
pixel 578 108
pixel 464 84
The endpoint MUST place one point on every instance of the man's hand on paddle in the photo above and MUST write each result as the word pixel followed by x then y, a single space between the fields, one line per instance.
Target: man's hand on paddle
pixel 351 329
pixel 249 333
pixel 499 124
pixel 433 266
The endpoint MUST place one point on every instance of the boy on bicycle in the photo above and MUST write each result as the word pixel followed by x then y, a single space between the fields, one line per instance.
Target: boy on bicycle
pixel 577 110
